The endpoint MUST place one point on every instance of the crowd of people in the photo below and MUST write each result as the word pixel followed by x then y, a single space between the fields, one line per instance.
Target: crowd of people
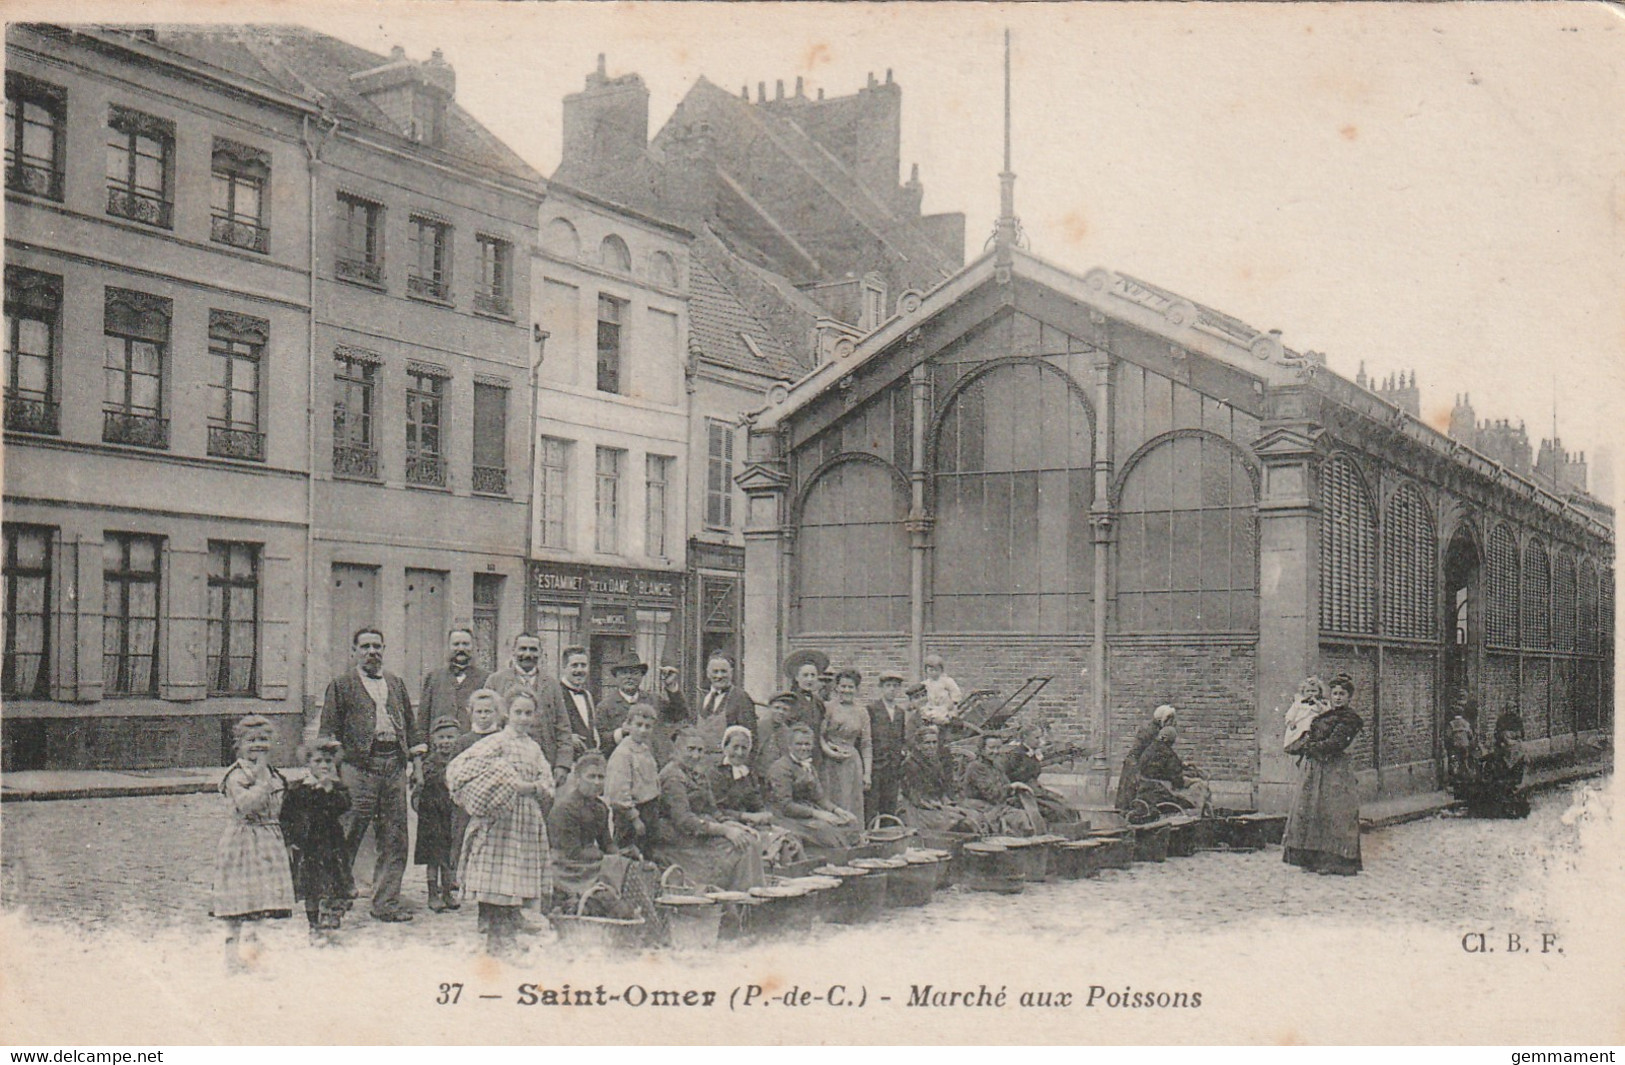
pixel 533 794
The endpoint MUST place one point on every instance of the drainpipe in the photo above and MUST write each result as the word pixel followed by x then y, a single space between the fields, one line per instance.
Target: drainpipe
pixel 313 149
pixel 919 523
pixel 539 335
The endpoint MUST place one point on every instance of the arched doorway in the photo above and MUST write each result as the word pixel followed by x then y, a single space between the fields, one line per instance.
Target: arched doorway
pixel 1464 619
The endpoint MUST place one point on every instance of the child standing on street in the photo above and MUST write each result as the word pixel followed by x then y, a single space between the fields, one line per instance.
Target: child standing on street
pixel 435 847
pixel 315 836
pixel 251 878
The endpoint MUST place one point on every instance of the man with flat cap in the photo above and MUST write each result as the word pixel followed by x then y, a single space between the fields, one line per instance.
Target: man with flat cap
pixel 888 733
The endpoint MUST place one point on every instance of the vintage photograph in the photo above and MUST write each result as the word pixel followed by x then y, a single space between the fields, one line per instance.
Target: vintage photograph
pixel 811 523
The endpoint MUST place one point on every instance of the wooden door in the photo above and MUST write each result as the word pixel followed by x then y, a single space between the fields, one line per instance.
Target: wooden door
pixel 425 635
pixel 354 604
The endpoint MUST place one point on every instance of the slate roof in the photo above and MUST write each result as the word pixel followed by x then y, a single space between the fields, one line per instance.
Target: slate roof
pixel 719 322
pixel 316 66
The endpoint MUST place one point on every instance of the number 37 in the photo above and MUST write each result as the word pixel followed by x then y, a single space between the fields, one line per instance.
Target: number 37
pixel 449 994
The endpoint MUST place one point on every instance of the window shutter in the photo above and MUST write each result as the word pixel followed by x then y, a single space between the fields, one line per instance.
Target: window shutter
pixel 1503 598
pixel 1347 549
pixel 1408 547
pixel 1537 587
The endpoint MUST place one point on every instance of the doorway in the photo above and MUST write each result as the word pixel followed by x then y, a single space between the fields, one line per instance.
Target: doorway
pixel 1464 622
pixel 603 651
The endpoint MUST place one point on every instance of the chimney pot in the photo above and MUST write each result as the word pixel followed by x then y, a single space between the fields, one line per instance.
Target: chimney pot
pixel 888 75
pixel 799 90
pixel 397 52
pixel 761 92
pixel 744 93
pixel 820 94
pixel 778 89
pixel 872 82
pixel 602 70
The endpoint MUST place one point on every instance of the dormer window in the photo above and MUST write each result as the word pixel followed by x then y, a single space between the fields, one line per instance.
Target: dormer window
pixel 428 118
pixel 874 302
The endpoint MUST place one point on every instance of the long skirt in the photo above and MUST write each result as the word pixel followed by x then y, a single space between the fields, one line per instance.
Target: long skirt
pixel 843 783
pixel 1323 829
pixel 943 817
pixel 715 861
pixel 251 873
pixel 821 840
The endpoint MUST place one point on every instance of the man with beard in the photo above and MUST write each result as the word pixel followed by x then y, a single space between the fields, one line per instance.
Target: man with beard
pixel 446 690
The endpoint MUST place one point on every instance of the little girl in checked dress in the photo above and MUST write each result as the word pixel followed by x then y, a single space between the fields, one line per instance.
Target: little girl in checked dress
pixel 251 876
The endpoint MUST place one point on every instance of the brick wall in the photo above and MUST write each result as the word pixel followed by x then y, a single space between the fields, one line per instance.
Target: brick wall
pixel 1213 685
pixel 1533 705
pixel 1408 707
pixel 1499 692
pixel 1563 696
pixel 1361 665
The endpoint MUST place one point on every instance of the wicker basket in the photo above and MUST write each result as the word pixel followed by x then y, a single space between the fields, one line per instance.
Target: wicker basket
pixel 888 840
pixel 581 929
pixel 993 867
pixel 693 920
pixel 859 899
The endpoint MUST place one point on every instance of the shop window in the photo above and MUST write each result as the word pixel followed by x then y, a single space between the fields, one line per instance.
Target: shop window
pixel 1013 485
pixel 1409 548
pixel 28 612
pixel 852 551
pixel 1348 549
pixel 1188 539
pixel 557 627
pixel 234 589
pixel 130 598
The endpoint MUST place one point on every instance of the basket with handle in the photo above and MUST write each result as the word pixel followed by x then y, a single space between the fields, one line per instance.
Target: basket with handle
pixel 587 930
pixel 888 836
pixel 693 918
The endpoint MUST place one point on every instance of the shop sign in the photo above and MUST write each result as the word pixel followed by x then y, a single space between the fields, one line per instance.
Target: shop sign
pixel 551 580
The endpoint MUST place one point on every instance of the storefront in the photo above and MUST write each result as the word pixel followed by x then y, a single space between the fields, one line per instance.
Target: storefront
pixel 610 611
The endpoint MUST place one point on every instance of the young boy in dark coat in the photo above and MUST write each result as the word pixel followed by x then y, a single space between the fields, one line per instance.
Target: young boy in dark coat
pixel 436 847
pixel 315 837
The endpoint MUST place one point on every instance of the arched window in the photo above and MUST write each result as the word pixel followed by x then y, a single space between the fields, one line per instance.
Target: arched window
pixel 1605 612
pixel 1501 617
pixel 613 254
pixel 1563 603
pixel 1187 554
pixel 662 270
pixel 560 238
pixel 1348 549
pixel 1537 590
pixel 852 551
pixel 1409 546
pixel 1013 485
pixel 1587 595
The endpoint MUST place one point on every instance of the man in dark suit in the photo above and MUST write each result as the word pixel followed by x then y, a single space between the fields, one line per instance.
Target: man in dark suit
pixel 446 690
pixel 370 712
pixel 615 706
pixel 565 713
pixel 724 698
pixel 888 735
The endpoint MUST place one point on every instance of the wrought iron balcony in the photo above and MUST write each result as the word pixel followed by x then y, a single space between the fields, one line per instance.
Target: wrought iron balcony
pixel 491 480
pixel 32 414
pixel 352 460
pixel 239 234
pixel 139 207
pixel 367 271
pixel 427 288
pixel 493 303
pixel 424 468
pixel 236 443
pixel 34 180
pixel 141 430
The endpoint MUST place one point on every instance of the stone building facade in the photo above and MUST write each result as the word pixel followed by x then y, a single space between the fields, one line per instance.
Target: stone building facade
pixel 1093 479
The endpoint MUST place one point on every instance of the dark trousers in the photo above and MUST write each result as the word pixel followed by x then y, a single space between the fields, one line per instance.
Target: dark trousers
pixel 881 798
pixel 325 914
pixel 379 800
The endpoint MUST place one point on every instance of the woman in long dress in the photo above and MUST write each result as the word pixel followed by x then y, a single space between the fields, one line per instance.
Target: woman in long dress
pixel 847 745
pixel 1128 780
pixel 506 784
pixel 696 834
pixel 1323 829
pixel 796 796
pixel 741 795
pixel 929 796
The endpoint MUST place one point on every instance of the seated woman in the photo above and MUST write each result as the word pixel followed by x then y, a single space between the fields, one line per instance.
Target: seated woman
pixel 695 833
pixel 584 851
pixel 796 797
pixel 741 795
pixel 1128 780
pixel 929 796
pixel 1166 778
pixel 1009 808
pixel 1498 790
pixel 1025 764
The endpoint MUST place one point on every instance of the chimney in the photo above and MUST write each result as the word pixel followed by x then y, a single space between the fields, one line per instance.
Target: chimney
pixel 800 93
pixel 778 89
pixel 413 96
pixel 606 125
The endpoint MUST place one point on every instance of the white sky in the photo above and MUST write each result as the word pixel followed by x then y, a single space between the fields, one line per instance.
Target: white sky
pixel 1427 186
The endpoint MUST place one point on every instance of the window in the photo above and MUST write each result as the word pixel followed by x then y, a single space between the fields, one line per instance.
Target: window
pixel 491 437
pixel 430 276
pixel 234 588
pixel 608 539
pixel 613 254
pixel 664 359
pixel 360 240
pixel 236 351
pixel 495 292
pixel 1013 486
pixel 130 614
pixel 237 206
pixel 1563 603
pixel 662 270
pixel 874 303
pixel 553 491
pixel 487 619
pixel 719 474
pixel 28 612
pixel 36 114
pixel 354 383
pixel 1537 591
pixel 428 118
pixel 33 323
pixel 1348 549
pixel 852 551
pixel 561 317
pixel 140 150
pixel 1187 548
pixel 136 334
pixel 425 411
pixel 560 238
pixel 655 488
pixel 610 312
pixel 1409 550
pixel 1501 620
